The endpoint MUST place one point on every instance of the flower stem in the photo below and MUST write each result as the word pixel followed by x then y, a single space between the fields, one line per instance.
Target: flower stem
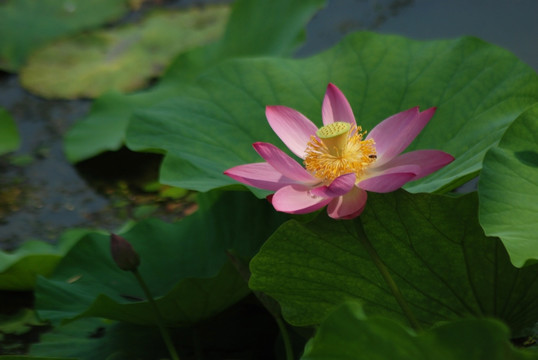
pixel 160 322
pixel 384 271
pixel 285 337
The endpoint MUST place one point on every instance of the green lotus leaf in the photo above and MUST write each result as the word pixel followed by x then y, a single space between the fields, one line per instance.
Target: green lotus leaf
pixel 26 25
pixel 348 334
pixel 25 357
pixel 184 264
pixel 434 247
pixel 98 339
pixel 478 89
pixel 122 59
pixel 224 337
pixel 280 23
pixel 20 268
pixel 508 189
pixel 19 323
pixel 9 136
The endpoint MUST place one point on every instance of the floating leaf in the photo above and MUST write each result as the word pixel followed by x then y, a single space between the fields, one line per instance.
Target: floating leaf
pixel 24 357
pixel 18 323
pixel 9 136
pixel 434 248
pixel 479 90
pixel 347 334
pixel 122 59
pixel 508 189
pixel 19 269
pixel 25 25
pixel 283 22
pixel 235 334
pixel 184 264
pixel 98 339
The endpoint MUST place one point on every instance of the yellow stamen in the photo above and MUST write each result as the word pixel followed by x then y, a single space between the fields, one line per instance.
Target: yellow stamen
pixel 339 150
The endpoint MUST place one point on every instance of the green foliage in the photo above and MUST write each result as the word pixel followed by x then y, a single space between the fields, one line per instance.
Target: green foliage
pixel 122 59
pixel 283 22
pixel 25 25
pixel 347 334
pixel 18 323
pixel 19 269
pixel 9 136
pixel 508 189
pixel 184 263
pixel 479 90
pixel 204 114
pixel 24 357
pixel 433 246
pixel 99 339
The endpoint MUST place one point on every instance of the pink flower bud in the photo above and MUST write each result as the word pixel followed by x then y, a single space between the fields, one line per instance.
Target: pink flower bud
pixel 123 253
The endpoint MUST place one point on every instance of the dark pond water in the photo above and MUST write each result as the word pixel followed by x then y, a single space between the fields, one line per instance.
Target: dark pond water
pixel 41 194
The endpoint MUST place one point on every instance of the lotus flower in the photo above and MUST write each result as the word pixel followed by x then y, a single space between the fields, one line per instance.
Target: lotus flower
pixel 340 165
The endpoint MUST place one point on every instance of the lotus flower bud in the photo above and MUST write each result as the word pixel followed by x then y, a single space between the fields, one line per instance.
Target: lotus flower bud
pixel 123 253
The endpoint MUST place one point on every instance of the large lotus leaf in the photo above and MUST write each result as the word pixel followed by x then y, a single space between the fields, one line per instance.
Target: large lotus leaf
pixel 122 59
pixel 235 334
pixel 9 136
pixel 478 89
pixel 508 189
pixel 275 28
pixel 434 248
pixel 25 25
pixel 19 323
pixel 277 34
pixel 25 357
pixel 104 128
pixel 98 339
pixel 347 334
pixel 185 265
pixel 20 268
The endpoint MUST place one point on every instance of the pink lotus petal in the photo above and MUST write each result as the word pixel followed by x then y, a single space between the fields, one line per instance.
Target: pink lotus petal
pixel 292 127
pixel 336 107
pixel 386 169
pixel 338 186
pixel 386 182
pixel 284 164
pixel 427 160
pixel 297 199
pixel 394 134
pixel 349 205
pixel 260 175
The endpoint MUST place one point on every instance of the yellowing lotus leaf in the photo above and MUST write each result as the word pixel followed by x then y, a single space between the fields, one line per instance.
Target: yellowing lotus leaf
pixel 122 59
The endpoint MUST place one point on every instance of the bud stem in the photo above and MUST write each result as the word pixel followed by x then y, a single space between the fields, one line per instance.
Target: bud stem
pixel 160 322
